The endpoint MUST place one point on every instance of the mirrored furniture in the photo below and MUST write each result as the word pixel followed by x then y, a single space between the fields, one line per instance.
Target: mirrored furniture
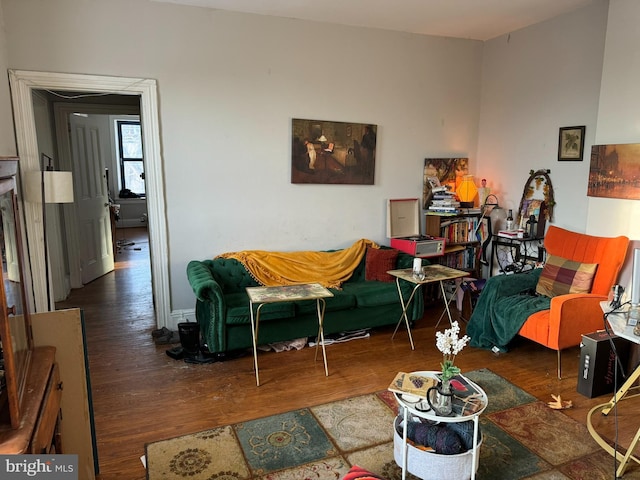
pixel 30 395
pixel 15 329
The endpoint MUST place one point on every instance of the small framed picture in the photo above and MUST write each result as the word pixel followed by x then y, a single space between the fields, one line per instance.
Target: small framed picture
pixel 571 144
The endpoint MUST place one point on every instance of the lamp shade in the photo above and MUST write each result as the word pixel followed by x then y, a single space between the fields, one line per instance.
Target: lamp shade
pixel 467 191
pixel 58 186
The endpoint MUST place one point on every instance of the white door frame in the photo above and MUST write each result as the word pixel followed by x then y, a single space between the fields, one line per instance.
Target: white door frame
pixel 22 85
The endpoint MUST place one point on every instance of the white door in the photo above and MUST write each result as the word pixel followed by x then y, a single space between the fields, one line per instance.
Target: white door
pixel 89 152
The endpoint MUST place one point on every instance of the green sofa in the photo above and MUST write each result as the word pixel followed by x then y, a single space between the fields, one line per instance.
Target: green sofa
pixel 222 306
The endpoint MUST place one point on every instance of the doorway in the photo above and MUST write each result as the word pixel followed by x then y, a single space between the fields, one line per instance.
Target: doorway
pixel 23 84
pixel 87 145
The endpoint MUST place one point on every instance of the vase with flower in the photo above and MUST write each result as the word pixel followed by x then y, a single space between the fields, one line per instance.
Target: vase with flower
pixel 440 397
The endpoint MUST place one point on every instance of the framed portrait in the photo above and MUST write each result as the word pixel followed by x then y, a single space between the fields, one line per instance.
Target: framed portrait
pixel 571 143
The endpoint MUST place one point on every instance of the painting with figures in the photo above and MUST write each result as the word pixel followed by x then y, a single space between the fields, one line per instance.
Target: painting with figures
pixel 615 171
pixel 333 152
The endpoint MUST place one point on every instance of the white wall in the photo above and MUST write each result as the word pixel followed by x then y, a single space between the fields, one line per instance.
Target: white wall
pixel 618 117
pixel 7 137
pixel 229 85
pixel 534 81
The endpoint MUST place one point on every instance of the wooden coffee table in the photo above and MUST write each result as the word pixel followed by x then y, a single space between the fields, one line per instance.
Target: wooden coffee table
pixel 261 296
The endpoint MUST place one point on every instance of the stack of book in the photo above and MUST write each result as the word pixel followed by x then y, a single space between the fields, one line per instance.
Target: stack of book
pixel 508 233
pixel 444 201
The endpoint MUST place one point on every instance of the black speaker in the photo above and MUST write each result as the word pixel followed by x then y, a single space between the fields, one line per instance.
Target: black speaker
pixel 597 365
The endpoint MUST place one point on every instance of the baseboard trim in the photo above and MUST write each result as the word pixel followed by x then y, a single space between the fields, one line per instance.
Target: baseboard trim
pixel 179 316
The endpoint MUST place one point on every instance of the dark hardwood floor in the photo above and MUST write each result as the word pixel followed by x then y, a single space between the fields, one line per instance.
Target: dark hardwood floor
pixel 141 395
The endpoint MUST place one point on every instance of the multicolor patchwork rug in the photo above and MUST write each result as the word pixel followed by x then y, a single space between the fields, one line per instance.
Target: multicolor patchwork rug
pixel 522 437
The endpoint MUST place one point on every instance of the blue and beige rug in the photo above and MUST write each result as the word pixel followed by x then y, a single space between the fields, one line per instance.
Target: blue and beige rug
pixel 522 438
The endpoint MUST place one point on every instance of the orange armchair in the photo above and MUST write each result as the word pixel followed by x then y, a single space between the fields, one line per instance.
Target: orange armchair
pixel 507 308
pixel 572 315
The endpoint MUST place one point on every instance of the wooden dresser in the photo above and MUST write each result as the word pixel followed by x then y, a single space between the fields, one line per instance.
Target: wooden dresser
pixel 39 352
pixel 39 431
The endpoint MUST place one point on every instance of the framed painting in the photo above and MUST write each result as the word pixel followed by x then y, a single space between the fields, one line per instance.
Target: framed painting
pixel 442 171
pixel 333 152
pixel 571 143
pixel 614 171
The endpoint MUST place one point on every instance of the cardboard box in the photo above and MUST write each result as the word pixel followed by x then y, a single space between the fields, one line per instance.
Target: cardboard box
pixel 597 363
pixel 403 229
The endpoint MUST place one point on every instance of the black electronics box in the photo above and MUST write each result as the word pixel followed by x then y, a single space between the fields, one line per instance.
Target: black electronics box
pixel 597 362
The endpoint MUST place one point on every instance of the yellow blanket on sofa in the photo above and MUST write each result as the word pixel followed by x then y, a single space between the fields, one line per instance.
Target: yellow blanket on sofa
pixel 329 269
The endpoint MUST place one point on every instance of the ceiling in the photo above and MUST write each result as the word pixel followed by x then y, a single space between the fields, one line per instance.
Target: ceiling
pixel 470 19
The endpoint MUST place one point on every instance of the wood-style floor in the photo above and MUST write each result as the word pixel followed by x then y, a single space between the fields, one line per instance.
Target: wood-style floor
pixel 141 395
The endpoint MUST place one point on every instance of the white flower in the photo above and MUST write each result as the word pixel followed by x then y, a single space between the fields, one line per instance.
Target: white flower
pixel 449 343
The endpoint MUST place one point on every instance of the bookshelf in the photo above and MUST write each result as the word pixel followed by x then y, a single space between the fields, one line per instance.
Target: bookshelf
pixel 462 249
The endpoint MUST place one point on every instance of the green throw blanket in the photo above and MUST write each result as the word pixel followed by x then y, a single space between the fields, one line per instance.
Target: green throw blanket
pixel 504 305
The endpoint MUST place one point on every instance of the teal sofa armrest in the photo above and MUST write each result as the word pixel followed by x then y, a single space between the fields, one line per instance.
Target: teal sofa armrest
pixel 210 304
pixel 202 282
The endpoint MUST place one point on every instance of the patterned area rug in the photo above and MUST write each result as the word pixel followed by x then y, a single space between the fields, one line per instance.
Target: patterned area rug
pixel 522 437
